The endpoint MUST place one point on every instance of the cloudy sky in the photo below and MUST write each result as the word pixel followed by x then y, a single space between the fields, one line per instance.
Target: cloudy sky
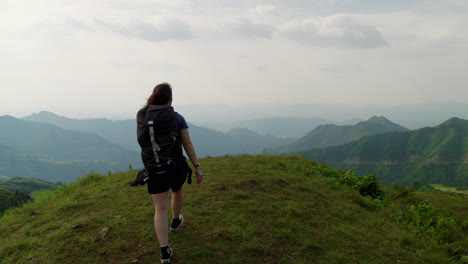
pixel 101 57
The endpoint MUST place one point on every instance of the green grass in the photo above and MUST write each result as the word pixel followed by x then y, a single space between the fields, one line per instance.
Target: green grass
pixel 260 209
pixel 26 185
pixel 455 203
pixel 449 189
pixel 42 194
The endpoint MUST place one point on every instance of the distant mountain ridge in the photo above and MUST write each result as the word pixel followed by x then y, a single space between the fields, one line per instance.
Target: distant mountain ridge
pixel 334 135
pixel 412 116
pixel 286 127
pixel 47 152
pixel 429 155
pixel 208 142
pixel 59 143
pixel 122 132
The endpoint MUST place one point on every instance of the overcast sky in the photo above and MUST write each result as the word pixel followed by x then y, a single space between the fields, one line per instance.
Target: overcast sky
pixel 99 57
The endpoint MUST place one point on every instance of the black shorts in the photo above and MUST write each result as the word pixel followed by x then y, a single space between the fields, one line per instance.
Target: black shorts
pixel 159 183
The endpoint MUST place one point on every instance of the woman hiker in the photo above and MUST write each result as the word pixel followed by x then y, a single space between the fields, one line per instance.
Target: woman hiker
pixel 163 158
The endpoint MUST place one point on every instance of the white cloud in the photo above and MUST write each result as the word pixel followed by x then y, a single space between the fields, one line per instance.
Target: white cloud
pixel 249 29
pixel 265 10
pixel 167 29
pixel 163 66
pixel 333 31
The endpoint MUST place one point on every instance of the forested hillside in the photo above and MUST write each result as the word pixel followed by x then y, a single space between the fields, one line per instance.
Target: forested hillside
pixel 209 142
pixel 334 135
pixel 26 185
pixel 47 152
pixel 12 199
pixel 15 192
pixel 121 132
pixel 58 143
pixel 428 155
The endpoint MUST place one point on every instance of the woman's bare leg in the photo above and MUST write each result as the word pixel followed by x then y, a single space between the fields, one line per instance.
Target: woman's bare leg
pixel 161 210
pixel 176 203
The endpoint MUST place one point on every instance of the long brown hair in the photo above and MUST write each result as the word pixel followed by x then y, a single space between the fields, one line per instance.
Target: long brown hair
pixel 162 94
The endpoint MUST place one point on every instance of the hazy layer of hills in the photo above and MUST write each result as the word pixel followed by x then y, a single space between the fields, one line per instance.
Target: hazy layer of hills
pixel 120 132
pixel 47 152
pixel 58 143
pixel 208 142
pixel 412 116
pixel 428 155
pixel 286 127
pixel 334 135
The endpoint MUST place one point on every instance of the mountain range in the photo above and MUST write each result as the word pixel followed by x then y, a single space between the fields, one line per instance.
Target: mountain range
pixel 334 135
pixel 428 155
pixel 412 116
pixel 55 148
pixel 208 142
pixel 119 132
pixel 285 127
pixel 59 143
pixel 47 152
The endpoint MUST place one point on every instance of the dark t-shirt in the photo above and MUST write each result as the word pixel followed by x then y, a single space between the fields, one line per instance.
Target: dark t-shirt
pixel 181 124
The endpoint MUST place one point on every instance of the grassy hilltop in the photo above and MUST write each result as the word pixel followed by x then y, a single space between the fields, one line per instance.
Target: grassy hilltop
pixel 260 209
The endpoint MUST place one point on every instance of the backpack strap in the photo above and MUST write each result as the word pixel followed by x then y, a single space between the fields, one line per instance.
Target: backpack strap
pixel 154 144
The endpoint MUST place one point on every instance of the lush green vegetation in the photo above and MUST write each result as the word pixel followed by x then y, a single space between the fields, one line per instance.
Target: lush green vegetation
pixel 333 135
pixel 453 173
pixel 27 185
pixel 428 155
pixel 260 209
pixel 16 192
pixel 12 199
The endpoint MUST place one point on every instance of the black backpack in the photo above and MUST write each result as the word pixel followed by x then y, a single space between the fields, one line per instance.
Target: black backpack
pixel 159 138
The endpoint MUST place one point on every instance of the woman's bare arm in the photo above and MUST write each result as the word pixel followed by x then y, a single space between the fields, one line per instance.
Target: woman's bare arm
pixel 190 150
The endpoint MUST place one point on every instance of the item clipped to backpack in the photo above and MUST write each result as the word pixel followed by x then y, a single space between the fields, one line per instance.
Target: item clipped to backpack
pixel 141 178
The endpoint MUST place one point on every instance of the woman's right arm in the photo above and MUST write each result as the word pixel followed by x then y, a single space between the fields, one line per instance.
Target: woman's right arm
pixel 190 150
